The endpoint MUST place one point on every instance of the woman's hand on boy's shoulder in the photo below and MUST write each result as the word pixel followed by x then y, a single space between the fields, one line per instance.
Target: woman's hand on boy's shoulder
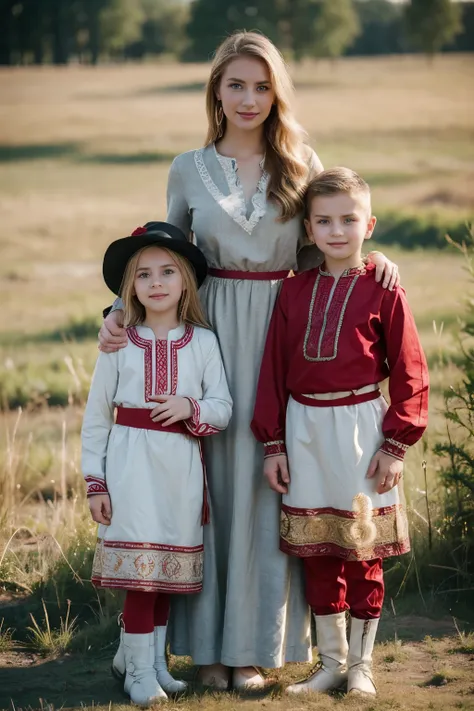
pixel 386 470
pixel 386 269
pixel 275 470
pixel 112 334
pixel 100 508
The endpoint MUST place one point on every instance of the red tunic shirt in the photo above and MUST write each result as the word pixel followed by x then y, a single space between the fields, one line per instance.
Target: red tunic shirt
pixel 331 335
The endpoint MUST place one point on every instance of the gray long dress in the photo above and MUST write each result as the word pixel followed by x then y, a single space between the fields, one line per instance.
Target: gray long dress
pixel 252 609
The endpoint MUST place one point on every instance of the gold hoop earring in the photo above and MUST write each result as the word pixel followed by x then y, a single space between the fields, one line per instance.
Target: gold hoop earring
pixel 219 115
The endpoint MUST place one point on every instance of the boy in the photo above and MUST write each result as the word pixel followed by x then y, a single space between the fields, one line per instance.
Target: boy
pixel 335 334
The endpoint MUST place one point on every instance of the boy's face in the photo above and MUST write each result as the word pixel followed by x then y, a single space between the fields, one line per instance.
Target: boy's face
pixel 339 224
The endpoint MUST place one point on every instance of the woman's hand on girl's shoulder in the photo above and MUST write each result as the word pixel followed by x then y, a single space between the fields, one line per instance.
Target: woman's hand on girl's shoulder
pixel 112 334
pixel 171 409
pixel 386 269
pixel 100 508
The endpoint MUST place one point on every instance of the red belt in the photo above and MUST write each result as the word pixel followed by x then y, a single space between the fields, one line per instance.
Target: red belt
pixel 350 400
pixel 139 418
pixel 254 276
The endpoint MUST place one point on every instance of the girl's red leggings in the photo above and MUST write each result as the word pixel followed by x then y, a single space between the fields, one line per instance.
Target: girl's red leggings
pixel 143 611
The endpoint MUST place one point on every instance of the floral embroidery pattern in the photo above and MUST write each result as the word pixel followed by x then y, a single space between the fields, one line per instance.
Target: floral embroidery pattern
pixel 326 314
pixel 148 566
pixel 95 486
pixel 329 531
pixel 234 204
pixel 195 426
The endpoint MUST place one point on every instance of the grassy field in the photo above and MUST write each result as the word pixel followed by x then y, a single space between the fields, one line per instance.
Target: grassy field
pixel 84 156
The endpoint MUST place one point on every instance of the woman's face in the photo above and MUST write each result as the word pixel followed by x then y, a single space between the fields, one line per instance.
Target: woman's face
pixel 246 92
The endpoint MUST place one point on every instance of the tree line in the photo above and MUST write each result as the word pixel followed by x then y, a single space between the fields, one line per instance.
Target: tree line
pixel 60 31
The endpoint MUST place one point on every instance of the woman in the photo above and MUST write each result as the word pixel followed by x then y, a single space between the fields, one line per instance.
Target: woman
pixel 240 197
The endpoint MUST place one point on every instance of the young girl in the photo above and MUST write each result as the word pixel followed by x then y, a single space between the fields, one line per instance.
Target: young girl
pixel 335 334
pixel 145 478
pixel 241 198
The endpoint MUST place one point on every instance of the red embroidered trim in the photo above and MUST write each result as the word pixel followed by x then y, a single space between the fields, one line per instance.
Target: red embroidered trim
pixel 130 545
pixel 161 361
pixel 147 586
pixel 146 345
pixel 385 550
pixel 193 424
pixel 394 448
pixel 271 449
pixel 175 346
pixel 341 513
pixel 326 314
pixel 161 367
pixel 95 486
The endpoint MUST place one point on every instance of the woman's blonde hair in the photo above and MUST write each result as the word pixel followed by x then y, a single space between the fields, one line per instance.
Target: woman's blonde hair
pixel 189 307
pixel 286 156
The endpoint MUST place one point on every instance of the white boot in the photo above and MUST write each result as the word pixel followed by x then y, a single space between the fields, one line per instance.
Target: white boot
pixel 118 662
pixel 140 676
pixel 164 678
pixel 332 648
pixel 361 645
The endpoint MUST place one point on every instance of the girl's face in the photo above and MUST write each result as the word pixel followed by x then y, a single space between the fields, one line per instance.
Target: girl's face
pixel 158 282
pixel 246 92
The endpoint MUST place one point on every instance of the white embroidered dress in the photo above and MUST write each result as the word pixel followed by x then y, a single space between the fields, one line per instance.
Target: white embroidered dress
pixel 154 478
pixel 252 609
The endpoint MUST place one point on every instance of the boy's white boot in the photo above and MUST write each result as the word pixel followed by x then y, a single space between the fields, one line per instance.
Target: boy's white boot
pixel 140 675
pixel 164 678
pixel 332 648
pixel 118 662
pixel 361 645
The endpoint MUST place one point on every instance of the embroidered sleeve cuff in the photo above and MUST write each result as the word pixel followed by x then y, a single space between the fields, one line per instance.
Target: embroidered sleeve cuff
pixel 193 423
pixel 95 486
pixel 272 449
pixel 394 448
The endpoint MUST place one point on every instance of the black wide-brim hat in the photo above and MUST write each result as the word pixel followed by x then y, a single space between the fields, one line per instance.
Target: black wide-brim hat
pixel 153 234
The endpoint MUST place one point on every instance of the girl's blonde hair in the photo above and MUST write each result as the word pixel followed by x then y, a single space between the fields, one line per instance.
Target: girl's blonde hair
pixel 189 307
pixel 286 156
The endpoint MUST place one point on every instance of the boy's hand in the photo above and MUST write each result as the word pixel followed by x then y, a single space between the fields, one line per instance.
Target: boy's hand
pixel 101 508
pixel 171 409
pixel 112 335
pixel 275 469
pixel 386 470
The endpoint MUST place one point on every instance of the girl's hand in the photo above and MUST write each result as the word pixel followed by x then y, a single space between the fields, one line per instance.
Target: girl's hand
pixel 275 469
pixel 384 267
pixel 171 409
pixel 112 335
pixel 386 470
pixel 101 508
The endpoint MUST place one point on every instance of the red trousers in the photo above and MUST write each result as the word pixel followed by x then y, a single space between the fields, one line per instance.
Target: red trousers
pixel 143 611
pixel 334 585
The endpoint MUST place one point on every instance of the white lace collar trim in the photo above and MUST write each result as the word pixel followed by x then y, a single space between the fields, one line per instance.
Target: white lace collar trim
pixel 234 203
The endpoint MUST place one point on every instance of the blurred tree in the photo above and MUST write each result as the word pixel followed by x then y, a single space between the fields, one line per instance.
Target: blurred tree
pixel 431 24
pixel 382 30
pixel 120 23
pixel 163 28
pixel 212 20
pixel 335 28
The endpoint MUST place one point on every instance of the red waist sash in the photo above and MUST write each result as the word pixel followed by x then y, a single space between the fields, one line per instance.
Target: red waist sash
pixel 349 400
pixel 139 417
pixel 254 276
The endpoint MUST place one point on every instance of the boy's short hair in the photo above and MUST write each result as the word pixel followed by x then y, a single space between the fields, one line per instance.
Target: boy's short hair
pixel 334 181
